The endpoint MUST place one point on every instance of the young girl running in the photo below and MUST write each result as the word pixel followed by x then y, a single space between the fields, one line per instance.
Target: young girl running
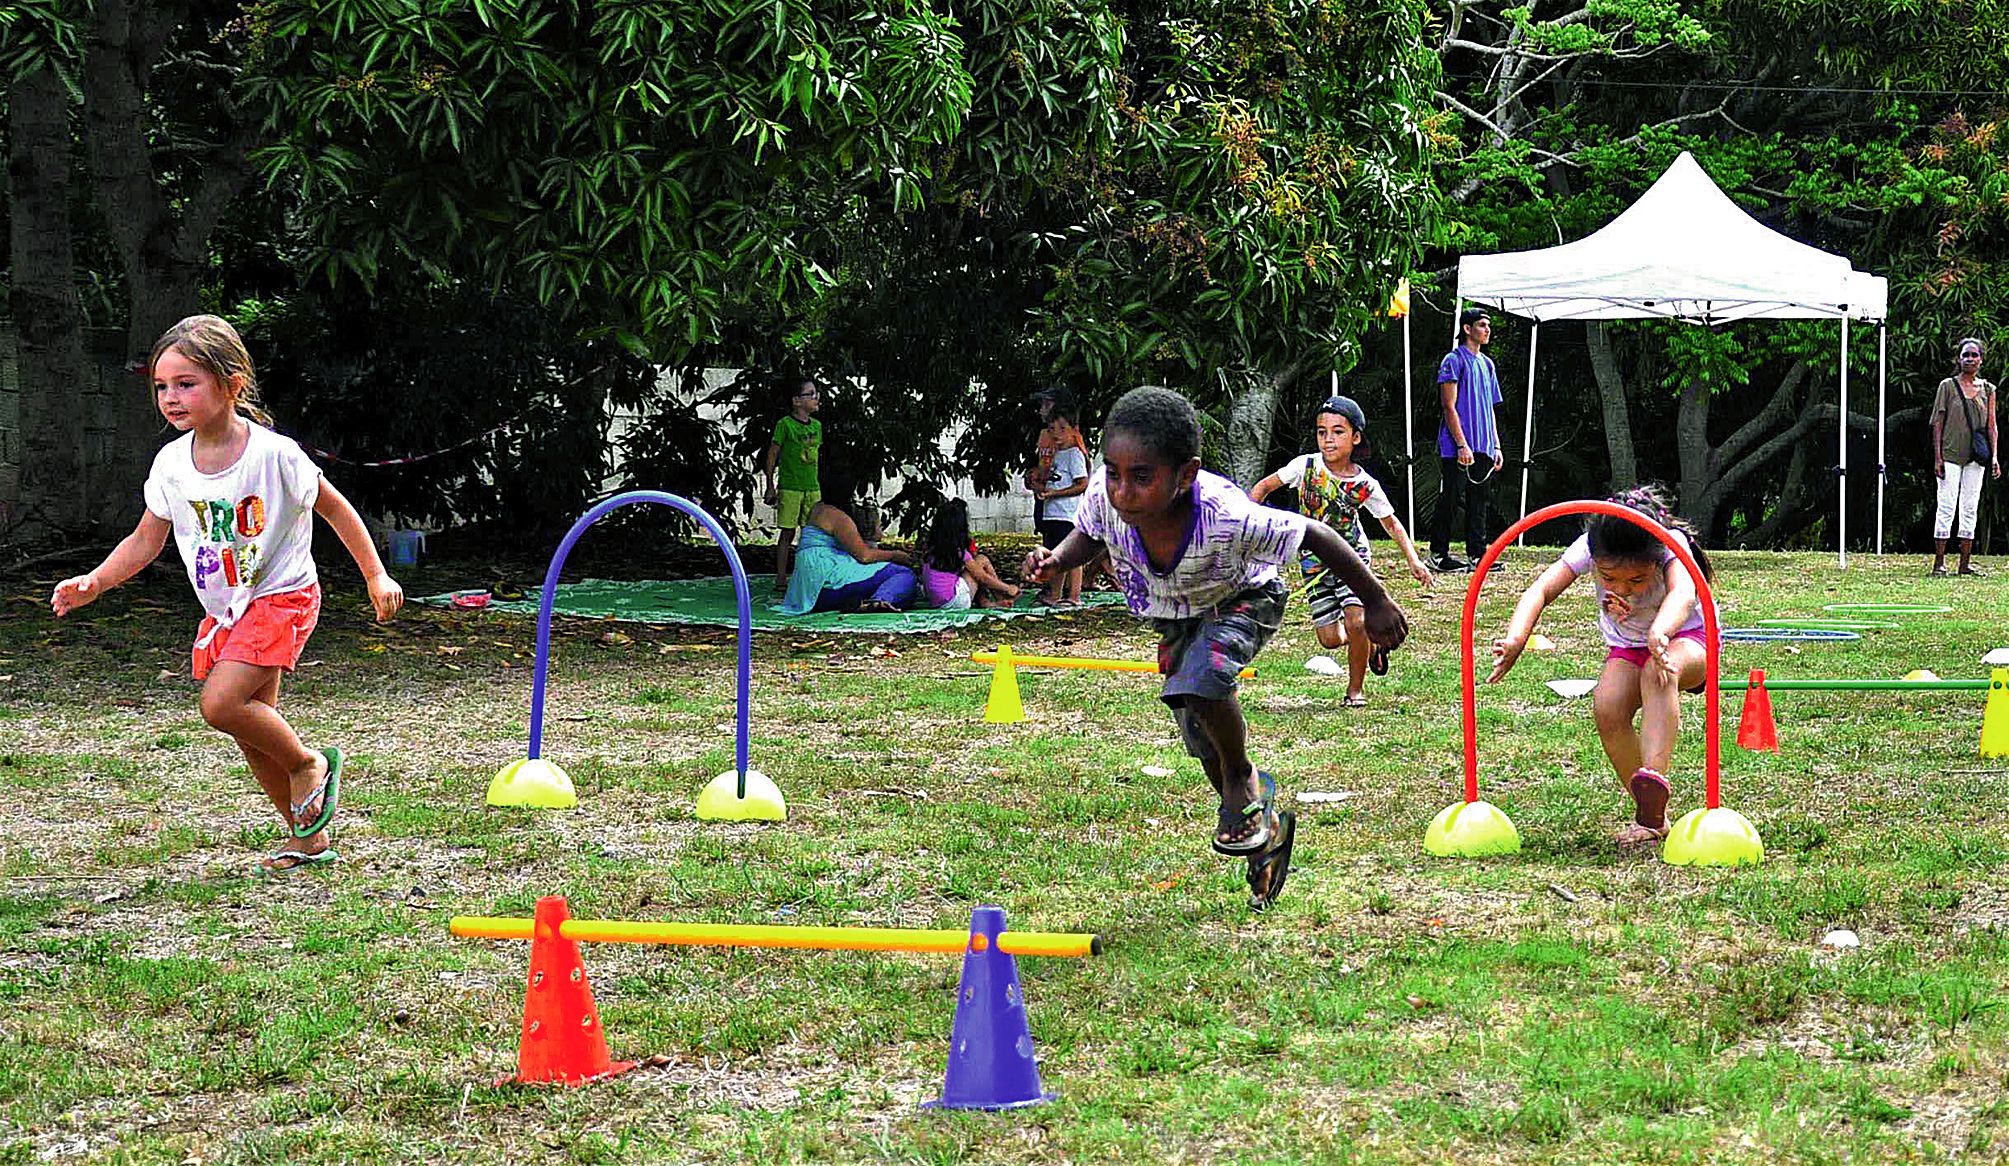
pixel 953 574
pixel 1196 557
pixel 1333 489
pixel 240 501
pixel 1653 628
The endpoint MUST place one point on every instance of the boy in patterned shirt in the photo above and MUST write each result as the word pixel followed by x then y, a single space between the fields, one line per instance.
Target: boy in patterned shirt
pixel 1196 557
pixel 1332 488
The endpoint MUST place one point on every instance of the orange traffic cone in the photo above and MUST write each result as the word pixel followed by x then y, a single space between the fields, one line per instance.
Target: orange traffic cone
pixel 1755 729
pixel 562 1040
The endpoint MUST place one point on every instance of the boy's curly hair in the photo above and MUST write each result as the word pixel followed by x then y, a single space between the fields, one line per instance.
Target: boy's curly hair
pixel 1161 419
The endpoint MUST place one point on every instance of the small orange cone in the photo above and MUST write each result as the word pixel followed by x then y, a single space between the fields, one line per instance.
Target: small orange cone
pixel 562 1040
pixel 1755 729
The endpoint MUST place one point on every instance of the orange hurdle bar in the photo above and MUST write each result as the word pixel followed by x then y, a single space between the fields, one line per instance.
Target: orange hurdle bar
pixel 1031 943
pixel 1082 662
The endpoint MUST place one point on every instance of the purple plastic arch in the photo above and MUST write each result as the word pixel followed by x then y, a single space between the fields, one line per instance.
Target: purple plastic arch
pixel 740 592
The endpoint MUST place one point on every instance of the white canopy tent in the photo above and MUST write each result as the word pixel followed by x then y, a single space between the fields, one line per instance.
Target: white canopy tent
pixel 1684 251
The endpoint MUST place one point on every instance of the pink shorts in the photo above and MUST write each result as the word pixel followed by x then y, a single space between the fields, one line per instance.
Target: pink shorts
pixel 272 633
pixel 1640 657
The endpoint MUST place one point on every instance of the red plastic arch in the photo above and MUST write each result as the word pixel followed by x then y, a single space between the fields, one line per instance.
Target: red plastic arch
pixel 1703 596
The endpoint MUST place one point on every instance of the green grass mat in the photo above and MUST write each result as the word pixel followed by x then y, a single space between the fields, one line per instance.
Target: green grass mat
pixel 710 601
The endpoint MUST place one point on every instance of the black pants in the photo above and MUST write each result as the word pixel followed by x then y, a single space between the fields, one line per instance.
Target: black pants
pixel 1460 490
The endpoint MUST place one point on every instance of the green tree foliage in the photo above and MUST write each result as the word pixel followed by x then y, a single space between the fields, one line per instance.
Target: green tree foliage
pixel 1221 192
pixel 647 167
pixel 1864 129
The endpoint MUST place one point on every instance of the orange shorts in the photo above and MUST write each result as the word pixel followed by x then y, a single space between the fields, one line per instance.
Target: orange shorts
pixel 272 633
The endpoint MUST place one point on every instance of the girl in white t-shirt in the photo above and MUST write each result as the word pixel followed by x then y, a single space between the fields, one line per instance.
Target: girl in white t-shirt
pixel 1655 646
pixel 240 500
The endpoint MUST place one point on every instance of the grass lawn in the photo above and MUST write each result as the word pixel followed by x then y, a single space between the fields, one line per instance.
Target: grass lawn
pixel 160 1003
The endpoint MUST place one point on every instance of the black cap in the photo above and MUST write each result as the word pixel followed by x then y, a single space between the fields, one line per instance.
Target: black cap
pixel 1471 316
pixel 1346 407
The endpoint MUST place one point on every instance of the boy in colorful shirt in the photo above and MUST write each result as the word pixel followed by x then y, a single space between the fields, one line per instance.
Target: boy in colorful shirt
pixel 1201 561
pixel 1334 489
pixel 798 441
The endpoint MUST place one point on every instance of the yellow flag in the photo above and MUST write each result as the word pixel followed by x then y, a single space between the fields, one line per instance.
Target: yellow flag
pixel 1398 304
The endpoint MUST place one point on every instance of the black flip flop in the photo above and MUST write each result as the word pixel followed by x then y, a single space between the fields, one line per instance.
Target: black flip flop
pixel 1229 818
pixel 328 792
pixel 1377 662
pixel 1268 870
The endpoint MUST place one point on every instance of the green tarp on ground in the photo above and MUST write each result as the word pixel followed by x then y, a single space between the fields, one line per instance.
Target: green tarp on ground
pixel 711 602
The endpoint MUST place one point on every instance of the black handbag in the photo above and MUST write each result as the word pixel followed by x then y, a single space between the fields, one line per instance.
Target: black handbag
pixel 1982 449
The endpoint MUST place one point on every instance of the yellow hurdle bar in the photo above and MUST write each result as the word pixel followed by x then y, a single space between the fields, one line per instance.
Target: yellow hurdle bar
pixel 1082 662
pixel 1031 943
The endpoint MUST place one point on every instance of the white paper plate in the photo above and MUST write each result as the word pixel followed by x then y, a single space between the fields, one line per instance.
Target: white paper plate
pixel 1572 688
pixel 1998 658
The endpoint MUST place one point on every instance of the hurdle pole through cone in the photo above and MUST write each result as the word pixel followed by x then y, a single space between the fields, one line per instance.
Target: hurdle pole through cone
pixel 562 1040
pixel 1002 706
pixel 1756 730
pixel 1995 716
pixel 991 1062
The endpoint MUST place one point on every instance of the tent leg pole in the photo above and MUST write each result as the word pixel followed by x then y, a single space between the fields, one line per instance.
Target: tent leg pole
pixel 1528 425
pixel 1882 333
pixel 1409 424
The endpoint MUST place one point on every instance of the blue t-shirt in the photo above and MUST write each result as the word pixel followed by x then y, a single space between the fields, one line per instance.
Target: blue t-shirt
pixel 1478 392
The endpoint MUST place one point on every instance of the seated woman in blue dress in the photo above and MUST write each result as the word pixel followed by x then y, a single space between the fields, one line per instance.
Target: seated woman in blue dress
pixel 838 569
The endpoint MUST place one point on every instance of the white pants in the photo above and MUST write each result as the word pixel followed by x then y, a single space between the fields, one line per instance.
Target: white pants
pixel 1960 485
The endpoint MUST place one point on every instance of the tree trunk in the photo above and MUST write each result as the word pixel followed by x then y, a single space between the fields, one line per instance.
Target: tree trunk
pixel 1611 395
pixel 47 314
pixel 163 247
pixel 1691 443
pixel 1252 416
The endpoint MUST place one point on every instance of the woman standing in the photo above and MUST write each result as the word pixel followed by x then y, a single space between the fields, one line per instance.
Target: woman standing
pixel 1963 442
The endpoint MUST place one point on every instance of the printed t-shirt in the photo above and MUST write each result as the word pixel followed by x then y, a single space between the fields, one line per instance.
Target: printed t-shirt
pixel 1231 545
pixel 1069 467
pixel 801 444
pixel 1336 501
pixel 246 531
pixel 1629 632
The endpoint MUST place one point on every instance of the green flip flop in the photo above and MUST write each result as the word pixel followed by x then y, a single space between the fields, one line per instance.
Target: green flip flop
pixel 296 860
pixel 329 791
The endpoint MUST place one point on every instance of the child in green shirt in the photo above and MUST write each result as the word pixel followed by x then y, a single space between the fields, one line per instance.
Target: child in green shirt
pixel 798 439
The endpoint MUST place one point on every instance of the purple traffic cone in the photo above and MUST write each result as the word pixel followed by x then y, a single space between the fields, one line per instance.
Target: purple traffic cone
pixel 991 1063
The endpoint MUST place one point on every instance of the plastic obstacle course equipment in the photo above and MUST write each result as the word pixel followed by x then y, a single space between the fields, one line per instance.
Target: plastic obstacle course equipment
pixel 1762 635
pixel 1995 717
pixel 991 1061
pixel 1757 730
pixel 743 794
pixel 1002 705
pixel 1888 608
pixel 1827 625
pixel 1713 835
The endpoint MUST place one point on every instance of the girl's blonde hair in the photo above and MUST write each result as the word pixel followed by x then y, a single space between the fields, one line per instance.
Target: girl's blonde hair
pixel 210 343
